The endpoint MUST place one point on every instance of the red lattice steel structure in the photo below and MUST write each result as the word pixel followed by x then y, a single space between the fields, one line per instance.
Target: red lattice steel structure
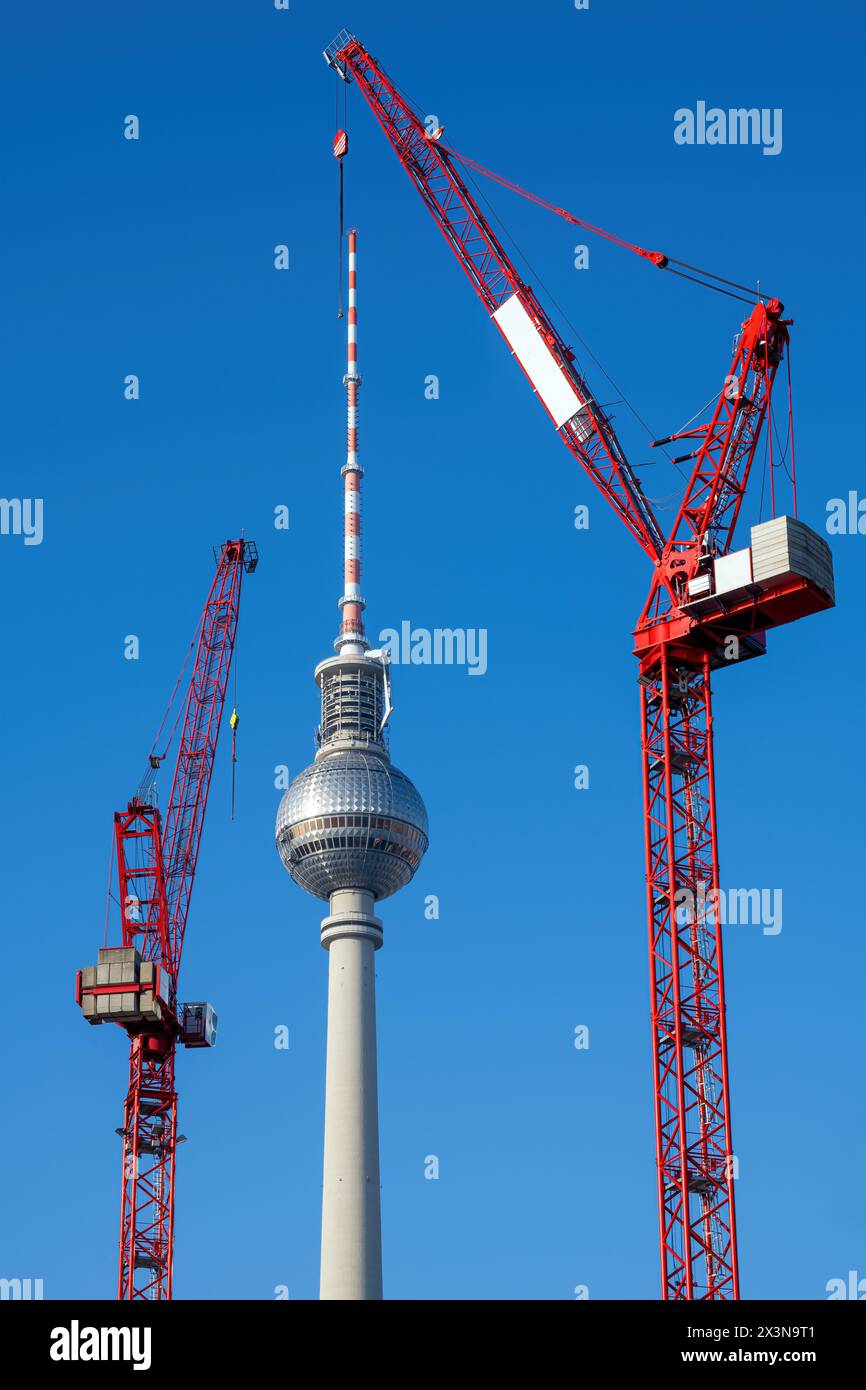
pixel 679 641
pixel 156 863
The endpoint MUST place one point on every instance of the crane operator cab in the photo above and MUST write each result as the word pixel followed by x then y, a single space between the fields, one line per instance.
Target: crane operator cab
pixel 198 1025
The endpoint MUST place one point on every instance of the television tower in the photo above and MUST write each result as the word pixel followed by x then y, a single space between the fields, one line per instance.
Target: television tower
pixel 352 829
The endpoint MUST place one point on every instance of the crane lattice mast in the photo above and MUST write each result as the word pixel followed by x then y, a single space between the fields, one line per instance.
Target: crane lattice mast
pixel 708 607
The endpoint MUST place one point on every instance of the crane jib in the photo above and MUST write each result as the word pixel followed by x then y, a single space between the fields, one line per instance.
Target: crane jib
pixel 585 430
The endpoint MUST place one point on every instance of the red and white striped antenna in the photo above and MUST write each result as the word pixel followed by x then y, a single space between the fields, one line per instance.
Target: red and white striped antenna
pixel 352 638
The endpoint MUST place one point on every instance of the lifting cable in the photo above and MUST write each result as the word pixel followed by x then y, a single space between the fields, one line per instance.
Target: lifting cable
pixel 156 759
pixel 339 156
pixel 109 898
pixel 234 720
pixel 793 474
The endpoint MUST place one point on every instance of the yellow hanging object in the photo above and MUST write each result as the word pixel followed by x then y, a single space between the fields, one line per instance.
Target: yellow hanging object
pixel 234 721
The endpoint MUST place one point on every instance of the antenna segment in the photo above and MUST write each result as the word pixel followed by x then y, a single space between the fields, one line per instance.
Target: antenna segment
pixel 352 639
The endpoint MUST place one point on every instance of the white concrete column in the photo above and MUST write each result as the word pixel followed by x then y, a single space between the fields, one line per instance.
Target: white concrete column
pixel 351 1220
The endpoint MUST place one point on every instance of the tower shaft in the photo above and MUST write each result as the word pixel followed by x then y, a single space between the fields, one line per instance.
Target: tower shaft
pixel 351 1217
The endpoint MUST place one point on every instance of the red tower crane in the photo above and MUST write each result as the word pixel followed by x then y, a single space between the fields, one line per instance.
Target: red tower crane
pixel 135 985
pixel 708 607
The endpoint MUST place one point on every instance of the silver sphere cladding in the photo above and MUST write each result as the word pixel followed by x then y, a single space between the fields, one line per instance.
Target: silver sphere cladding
pixel 351 820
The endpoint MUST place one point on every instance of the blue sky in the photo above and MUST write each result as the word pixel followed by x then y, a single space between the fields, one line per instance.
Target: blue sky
pixel 156 258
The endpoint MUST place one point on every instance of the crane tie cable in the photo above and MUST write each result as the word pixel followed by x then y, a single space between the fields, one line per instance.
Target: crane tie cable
pixel 656 258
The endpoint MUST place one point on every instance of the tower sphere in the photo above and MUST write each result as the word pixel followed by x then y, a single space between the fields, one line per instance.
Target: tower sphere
pixel 351 820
